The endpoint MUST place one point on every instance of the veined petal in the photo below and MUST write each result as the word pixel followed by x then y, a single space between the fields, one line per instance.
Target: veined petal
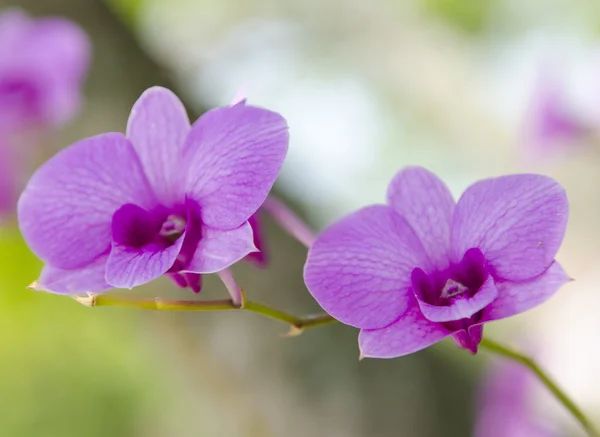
pixel 66 209
pixel 427 205
pixel 517 297
pixel 517 221
pixel 218 249
pixel 157 128
pixel 410 333
pixel 359 268
pixel 128 267
pixel 460 308
pixel 86 279
pixel 232 157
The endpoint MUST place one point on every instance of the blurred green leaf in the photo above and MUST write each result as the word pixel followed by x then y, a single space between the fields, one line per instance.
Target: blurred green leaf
pixel 65 370
pixel 127 10
pixel 471 16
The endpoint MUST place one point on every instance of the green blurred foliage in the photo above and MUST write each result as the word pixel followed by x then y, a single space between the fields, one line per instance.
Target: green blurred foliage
pixel 66 370
pixel 470 16
pixel 126 9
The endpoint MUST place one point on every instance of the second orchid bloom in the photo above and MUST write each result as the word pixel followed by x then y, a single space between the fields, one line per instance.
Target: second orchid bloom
pixel 423 267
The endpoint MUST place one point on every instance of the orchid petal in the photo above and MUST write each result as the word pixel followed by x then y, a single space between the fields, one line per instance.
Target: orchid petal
pixel 517 221
pixel 359 268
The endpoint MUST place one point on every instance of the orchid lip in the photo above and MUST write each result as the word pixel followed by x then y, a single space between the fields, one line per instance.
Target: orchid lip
pixel 456 293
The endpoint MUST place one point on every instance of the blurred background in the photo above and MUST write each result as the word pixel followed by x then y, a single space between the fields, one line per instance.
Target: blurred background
pixel 468 89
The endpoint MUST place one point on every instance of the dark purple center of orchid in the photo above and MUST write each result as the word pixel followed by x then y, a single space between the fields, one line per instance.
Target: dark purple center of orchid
pixel 459 281
pixel 160 228
pixel 137 228
pixel 455 296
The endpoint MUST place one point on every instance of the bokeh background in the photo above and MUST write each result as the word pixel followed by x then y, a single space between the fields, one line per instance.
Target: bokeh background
pixel 368 86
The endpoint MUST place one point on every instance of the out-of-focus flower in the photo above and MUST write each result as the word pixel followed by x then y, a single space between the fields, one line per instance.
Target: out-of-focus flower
pixel 553 123
pixel 117 211
pixel 7 178
pixel 504 408
pixel 421 268
pixel 44 63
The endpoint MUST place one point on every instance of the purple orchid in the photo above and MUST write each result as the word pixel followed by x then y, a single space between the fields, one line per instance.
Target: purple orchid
pixel 423 267
pixel 117 211
pixel 504 409
pixel 43 66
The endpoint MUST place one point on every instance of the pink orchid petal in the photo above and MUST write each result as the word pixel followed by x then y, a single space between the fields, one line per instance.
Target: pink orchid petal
pixel 410 333
pixel 218 249
pixel 517 221
pixel 359 268
pixel 232 157
pixel 129 267
pixel 427 205
pixel 86 279
pixel 66 209
pixel 157 128
pixel 517 297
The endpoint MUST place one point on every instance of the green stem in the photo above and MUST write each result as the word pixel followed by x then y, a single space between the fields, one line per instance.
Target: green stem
pixel 298 324
pixel 545 379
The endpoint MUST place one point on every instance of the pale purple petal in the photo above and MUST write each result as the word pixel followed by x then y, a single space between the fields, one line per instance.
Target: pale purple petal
pixel 503 405
pixel 128 267
pixel 85 279
pixel 232 157
pixel 517 297
pixel 359 268
pixel 461 308
pixel 427 205
pixel 60 44
pixel 44 63
pixel 410 333
pixel 66 209
pixel 218 249
pixel 517 221
pixel 157 128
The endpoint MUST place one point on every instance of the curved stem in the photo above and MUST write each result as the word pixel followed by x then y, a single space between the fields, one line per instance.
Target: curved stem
pixel 545 379
pixel 289 221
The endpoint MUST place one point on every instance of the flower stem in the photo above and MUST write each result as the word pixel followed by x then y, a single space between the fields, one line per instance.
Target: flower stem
pixel 289 221
pixel 562 397
pixel 298 324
